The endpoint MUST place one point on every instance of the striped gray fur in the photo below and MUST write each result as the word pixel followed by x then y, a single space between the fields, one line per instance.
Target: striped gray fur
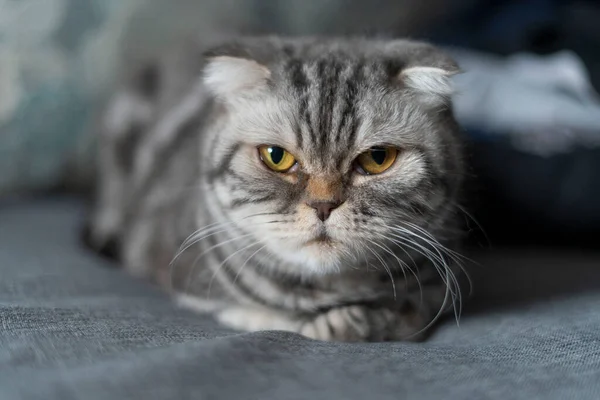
pixel 180 167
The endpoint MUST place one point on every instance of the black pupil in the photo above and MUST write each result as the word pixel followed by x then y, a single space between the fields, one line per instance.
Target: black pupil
pixel 276 154
pixel 378 155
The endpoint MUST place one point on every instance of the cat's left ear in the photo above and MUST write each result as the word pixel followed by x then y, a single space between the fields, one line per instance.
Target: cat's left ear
pixel 432 85
pixel 229 77
pixel 426 71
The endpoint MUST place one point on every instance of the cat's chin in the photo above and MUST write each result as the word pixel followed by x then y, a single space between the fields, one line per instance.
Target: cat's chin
pixel 316 257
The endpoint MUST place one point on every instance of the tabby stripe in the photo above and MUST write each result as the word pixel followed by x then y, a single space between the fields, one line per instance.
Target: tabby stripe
pixel 237 177
pixel 185 133
pixel 298 78
pixel 308 120
pixel 223 167
pixel 366 210
pixel 418 207
pixel 248 200
pixel 297 128
pixel 351 102
pixel 347 109
pixel 330 75
pixel 300 84
pixel 126 146
pixel 261 288
pixel 287 205
pixel 356 322
pixel 257 192
pixel 435 177
pixel 224 272
pixel 321 78
pixel 276 301
pixel 330 327
pixel 165 137
pixel 335 93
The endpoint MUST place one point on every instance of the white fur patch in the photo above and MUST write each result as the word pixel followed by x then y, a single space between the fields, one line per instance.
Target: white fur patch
pixel 226 76
pixel 251 319
pixel 197 304
pixel 434 83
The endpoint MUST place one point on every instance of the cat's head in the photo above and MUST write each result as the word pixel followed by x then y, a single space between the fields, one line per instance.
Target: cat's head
pixel 326 151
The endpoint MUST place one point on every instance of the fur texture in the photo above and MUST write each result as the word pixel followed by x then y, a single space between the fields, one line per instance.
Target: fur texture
pixel 186 198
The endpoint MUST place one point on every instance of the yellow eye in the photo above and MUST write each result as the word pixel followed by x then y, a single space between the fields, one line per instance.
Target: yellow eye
pixel 276 158
pixel 377 160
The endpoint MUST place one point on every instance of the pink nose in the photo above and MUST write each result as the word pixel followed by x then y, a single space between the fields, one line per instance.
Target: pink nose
pixel 324 208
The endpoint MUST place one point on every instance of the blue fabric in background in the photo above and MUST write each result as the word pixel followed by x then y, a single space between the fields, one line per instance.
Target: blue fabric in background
pixel 48 51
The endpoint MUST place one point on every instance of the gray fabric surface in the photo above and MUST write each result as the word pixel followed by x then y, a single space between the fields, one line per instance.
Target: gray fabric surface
pixel 74 327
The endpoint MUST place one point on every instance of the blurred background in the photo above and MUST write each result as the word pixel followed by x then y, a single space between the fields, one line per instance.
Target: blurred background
pixel 527 99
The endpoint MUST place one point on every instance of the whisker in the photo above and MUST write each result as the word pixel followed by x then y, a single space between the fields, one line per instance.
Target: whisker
pixel 439 264
pixel 455 256
pixel 197 239
pixel 430 236
pixel 204 228
pixel 405 264
pixel 223 243
pixel 208 231
pixel 447 295
pixel 472 218
pixel 216 271
pixel 384 265
pixel 400 263
pixel 436 317
pixel 246 262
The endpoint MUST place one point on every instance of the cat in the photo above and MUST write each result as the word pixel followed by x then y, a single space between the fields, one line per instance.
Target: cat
pixel 300 184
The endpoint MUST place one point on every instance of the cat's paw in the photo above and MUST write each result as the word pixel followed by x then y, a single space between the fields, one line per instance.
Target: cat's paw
pixel 365 324
pixel 347 324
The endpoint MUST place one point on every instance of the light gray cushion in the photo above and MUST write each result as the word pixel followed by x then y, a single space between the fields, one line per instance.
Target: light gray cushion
pixel 74 327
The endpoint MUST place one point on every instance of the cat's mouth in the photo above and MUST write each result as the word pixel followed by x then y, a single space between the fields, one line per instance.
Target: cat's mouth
pixel 322 238
pixel 320 252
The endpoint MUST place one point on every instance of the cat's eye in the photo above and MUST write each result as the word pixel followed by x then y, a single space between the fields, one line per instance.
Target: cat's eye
pixel 376 160
pixel 276 158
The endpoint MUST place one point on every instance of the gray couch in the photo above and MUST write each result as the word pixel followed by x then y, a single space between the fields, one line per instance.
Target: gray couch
pixel 74 327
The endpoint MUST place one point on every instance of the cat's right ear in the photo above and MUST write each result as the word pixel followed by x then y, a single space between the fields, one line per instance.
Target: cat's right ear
pixel 230 78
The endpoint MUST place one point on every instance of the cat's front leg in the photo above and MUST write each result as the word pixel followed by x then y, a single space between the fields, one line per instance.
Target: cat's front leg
pixel 360 323
pixel 353 323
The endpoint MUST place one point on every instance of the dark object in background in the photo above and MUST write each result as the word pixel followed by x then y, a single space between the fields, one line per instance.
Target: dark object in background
pixel 521 198
pixel 518 197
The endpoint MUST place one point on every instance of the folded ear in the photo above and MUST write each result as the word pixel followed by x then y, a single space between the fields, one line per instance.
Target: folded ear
pixel 425 69
pixel 228 77
pixel 432 83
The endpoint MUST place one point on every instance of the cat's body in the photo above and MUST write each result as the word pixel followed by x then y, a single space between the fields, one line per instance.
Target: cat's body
pixel 324 248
